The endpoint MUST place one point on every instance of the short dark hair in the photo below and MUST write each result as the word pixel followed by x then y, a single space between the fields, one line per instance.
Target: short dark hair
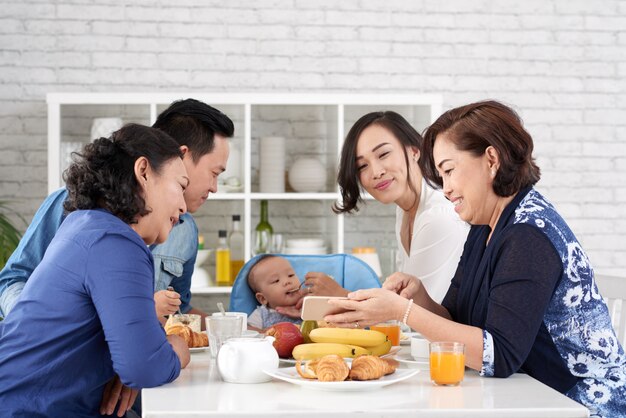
pixel 476 126
pixel 250 277
pixel 102 175
pixel 194 124
pixel 348 175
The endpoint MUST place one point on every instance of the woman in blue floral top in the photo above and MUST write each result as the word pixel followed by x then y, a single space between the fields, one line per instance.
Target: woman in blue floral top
pixel 523 298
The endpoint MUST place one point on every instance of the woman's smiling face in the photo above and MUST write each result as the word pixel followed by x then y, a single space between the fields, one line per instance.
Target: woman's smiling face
pixel 467 181
pixel 381 164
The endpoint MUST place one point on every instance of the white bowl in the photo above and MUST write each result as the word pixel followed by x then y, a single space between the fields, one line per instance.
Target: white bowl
pixel 305 243
pixel 202 257
pixel 306 251
pixel 420 348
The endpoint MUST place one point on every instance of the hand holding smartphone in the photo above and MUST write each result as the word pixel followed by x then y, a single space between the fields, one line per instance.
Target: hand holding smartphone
pixel 315 308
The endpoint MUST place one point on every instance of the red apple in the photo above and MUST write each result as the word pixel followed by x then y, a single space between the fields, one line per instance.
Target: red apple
pixel 287 336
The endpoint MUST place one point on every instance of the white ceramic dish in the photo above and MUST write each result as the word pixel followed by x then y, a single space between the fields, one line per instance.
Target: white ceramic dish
pixel 306 250
pixel 290 375
pixel 408 359
pixel 198 349
pixel 202 257
pixel 226 188
pixel 305 243
pixel 405 337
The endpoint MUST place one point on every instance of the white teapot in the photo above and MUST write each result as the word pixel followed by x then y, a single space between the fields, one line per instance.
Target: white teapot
pixel 242 360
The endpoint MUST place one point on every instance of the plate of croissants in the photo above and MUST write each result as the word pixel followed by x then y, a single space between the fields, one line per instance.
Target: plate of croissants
pixel 332 372
pixel 196 341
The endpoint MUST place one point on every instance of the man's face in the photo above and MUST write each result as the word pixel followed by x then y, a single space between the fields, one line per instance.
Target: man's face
pixel 203 173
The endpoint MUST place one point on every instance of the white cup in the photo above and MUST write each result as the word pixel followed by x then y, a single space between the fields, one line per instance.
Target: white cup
pixel 220 329
pixel 420 348
pixel 244 319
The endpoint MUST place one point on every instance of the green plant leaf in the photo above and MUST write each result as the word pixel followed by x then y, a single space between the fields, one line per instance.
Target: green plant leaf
pixel 9 235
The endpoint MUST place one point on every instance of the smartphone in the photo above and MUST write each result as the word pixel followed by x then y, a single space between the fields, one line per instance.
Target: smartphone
pixel 315 308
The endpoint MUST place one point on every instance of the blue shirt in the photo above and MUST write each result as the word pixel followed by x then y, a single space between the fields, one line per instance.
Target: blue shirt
pixel 85 314
pixel 173 260
pixel 532 291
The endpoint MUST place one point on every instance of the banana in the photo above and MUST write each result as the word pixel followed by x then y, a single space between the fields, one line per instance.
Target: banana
pixel 360 337
pixel 317 350
pixel 382 349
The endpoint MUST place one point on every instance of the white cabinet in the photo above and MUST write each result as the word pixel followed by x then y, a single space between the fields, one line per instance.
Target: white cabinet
pixel 313 125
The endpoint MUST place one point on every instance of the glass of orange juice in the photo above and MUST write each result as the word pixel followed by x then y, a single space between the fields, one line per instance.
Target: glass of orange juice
pixel 391 329
pixel 447 363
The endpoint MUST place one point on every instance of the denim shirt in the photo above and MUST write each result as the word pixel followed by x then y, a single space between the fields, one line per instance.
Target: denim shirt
pixel 174 260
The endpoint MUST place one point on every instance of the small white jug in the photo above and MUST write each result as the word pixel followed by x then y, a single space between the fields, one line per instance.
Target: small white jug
pixel 242 360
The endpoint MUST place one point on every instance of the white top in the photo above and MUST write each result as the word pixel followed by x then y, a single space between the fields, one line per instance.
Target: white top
pixel 200 392
pixel 436 245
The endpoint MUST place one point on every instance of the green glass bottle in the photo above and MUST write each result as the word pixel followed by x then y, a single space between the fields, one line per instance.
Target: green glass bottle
pixel 263 232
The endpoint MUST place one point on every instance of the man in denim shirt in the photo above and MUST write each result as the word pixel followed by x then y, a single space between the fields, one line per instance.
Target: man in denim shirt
pixel 202 133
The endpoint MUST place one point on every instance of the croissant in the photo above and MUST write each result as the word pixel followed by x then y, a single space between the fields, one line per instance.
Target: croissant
pixel 193 339
pixel 370 368
pixel 332 368
pixel 307 369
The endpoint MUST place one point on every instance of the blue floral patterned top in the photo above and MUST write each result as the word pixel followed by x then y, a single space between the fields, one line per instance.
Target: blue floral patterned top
pixel 531 289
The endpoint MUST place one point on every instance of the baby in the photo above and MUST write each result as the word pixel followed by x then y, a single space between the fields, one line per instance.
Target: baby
pixel 274 283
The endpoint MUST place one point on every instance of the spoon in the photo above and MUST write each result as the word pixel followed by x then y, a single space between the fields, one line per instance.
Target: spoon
pixel 220 306
pixel 171 289
pixel 290 292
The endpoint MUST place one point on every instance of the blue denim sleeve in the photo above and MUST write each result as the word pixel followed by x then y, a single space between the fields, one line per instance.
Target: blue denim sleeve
pixel 174 260
pixel 31 249
pixel 122 295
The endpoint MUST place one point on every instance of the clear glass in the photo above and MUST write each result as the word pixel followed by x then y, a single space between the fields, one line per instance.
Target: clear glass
pixel 391 329
pixel 277 243
pixel 221 328
pixel 447 363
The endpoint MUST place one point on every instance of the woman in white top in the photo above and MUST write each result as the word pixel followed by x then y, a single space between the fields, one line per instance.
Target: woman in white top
pixel 381 155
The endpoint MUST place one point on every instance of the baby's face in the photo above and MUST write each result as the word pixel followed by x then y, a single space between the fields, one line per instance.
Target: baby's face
pixel 275 278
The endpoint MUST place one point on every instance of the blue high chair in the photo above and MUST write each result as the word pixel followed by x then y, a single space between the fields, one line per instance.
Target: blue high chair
pixel 350 272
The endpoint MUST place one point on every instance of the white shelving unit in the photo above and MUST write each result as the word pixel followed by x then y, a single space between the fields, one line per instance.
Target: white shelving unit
pixel 319 121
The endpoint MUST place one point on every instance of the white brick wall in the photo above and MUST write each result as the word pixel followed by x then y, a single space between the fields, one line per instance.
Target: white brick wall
pixel 562 64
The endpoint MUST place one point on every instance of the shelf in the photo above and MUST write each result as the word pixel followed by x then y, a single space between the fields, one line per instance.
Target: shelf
pixel 211 290
pixel 313 125
pixel 294 196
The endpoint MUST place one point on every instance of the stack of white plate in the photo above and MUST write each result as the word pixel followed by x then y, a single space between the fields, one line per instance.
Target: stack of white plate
pixel 308 246
pixel 272 164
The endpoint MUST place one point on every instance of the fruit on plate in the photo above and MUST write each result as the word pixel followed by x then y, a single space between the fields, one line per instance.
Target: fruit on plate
pixel 286 337
pixel 318 350
pixel 305 328
pixel 380 350
pixel 360 337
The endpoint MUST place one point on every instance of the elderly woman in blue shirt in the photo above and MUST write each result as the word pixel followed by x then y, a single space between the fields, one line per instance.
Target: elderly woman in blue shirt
pixel 523 298
pixel 86 317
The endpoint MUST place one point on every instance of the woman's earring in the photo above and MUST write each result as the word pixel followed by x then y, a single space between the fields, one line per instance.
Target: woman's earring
pixel 493 173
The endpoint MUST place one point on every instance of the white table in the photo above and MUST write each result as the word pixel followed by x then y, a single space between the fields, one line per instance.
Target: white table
pixel 199 392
